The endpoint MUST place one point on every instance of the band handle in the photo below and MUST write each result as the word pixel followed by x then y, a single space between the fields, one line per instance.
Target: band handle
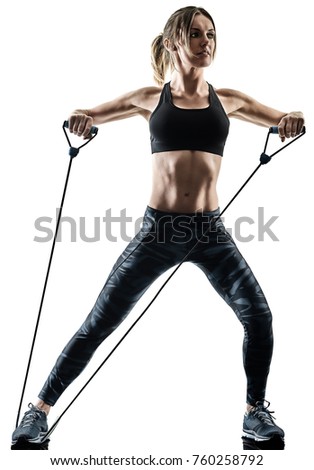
pixel 73 151
pixel 275 130
pixel 93 130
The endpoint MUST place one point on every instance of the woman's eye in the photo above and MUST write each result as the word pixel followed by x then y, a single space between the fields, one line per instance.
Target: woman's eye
pixel 210 35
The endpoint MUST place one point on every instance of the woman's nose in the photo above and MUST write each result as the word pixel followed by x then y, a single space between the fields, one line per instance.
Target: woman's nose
pixel 205 41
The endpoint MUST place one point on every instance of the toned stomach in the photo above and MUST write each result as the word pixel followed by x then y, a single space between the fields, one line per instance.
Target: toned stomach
pixel 185 181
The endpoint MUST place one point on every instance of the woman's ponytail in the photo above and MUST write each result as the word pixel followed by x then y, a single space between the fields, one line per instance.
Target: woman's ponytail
pixel 160 59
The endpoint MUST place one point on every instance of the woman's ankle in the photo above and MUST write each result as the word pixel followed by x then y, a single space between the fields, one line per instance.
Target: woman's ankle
pixel 249 407
pixel 43 406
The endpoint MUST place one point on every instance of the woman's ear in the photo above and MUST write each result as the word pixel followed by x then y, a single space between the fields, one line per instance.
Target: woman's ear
pixel 166 44
pixel 170 47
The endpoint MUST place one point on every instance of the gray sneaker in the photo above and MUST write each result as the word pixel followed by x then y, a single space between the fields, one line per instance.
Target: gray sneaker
pixel 32 428
pixel 258 424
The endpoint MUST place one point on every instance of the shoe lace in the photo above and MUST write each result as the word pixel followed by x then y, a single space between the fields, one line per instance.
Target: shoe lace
pixel 30 416
pixel 261 412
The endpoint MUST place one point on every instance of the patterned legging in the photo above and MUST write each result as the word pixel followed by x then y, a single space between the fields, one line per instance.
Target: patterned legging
pixel 163 241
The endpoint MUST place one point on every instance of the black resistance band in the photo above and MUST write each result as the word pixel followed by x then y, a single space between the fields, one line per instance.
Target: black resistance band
pixel 73 152
pixel 264 158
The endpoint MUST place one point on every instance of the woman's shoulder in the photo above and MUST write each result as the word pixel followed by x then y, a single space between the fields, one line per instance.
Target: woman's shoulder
pixel 232 99
pixel 147 97
pixel 141 94
pixel 229 93
pixel 148 92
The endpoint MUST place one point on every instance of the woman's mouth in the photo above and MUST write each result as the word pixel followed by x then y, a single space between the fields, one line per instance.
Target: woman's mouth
pixel 204 53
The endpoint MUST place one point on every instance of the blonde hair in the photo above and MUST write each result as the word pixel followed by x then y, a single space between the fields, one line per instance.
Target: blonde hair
pixel 176 29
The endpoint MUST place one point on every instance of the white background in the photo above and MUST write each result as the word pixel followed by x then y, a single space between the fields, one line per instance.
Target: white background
pixel 176 385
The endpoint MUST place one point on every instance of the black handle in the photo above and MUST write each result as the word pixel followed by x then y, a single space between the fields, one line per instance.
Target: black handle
pixel 274 130
pixel 93 130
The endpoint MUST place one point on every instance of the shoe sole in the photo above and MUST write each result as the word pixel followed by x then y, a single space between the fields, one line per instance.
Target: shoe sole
pixel 24 445
pixel 36 440
pixel 275 443
pixel 253 435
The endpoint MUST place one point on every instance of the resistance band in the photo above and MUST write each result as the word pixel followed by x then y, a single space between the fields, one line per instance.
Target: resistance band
pixel 73 152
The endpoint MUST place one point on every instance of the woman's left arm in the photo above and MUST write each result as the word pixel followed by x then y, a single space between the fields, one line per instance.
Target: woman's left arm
pixel 242 106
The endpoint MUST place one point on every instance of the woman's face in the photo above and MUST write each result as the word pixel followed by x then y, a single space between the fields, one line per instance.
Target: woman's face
pixel 202 44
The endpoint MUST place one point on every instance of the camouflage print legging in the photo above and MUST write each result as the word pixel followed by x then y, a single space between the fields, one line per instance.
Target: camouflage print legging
pixel 163 241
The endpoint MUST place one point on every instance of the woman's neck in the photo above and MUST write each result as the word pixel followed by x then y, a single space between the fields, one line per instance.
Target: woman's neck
pixel 190 83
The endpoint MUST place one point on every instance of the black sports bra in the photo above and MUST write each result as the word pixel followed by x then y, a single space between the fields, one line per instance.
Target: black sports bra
pixel 173 128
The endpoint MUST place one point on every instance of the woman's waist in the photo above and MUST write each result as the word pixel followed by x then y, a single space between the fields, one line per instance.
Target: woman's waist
pixel 184 200
pixel 180 227
pixel 199 217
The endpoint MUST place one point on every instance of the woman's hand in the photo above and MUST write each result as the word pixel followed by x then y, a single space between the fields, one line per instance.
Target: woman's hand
pixel 290 125
pixel 80 124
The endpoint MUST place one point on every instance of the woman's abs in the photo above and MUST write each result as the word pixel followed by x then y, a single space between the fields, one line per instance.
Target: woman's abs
pixel 185 181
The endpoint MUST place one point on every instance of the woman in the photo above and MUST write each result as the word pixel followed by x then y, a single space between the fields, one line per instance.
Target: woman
pixel 189 123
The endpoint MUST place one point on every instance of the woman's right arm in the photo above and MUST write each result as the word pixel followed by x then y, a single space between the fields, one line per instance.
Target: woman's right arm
pixel 134 103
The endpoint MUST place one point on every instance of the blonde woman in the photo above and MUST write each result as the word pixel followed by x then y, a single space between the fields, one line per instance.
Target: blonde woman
pixel 189 122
